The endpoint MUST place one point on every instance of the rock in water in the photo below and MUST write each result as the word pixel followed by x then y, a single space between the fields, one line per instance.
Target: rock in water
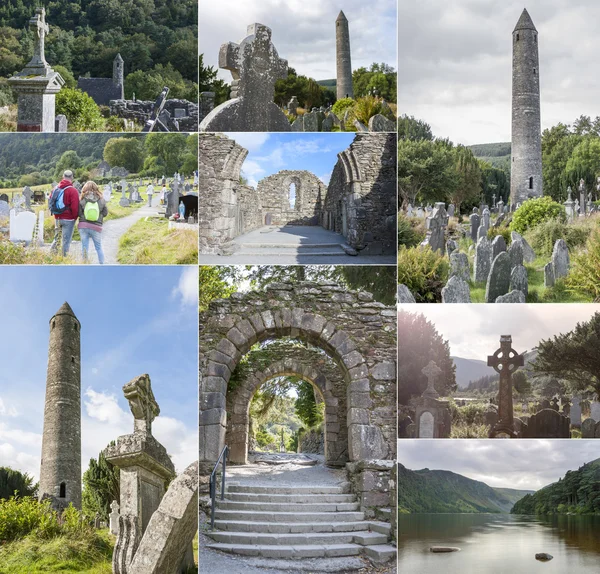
pixel 439 549
pixel 543 557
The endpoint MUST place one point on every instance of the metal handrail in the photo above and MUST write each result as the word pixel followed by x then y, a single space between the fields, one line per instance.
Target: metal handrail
pixel 213 484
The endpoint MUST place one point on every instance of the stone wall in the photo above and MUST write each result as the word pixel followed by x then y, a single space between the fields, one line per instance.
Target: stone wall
pixel 361 201
pixel 274 196
pixel 140 111
pixel 312 442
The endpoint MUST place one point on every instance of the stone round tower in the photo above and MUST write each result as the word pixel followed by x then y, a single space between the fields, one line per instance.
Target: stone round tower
pixel 60 475
pixel 344 62
pixel 526 160
pixel 119 74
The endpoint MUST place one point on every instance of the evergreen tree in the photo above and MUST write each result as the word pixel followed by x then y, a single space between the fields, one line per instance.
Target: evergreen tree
pixel 12 481
pixel 100 487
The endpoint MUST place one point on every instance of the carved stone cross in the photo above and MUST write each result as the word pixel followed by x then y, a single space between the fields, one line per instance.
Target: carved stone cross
pixel 432 372
pixel 505 361
pixel 254 64
pixel 142 403
pixel 39 27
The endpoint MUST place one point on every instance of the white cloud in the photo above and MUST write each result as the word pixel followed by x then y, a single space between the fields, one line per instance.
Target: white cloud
pixel 325 178
pixel 187 287
pixel 9 411
pixel 252 141
pixel 104 408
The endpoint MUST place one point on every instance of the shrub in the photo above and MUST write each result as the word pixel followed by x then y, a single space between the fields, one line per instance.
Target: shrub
pixel 424 272
pixel 80 109
pixel 22 516
pixel 340 107
pixel 585 271
pixel 535 211
pixel 543 236
pixel 495 231
pixel 409 233
pixel 368 107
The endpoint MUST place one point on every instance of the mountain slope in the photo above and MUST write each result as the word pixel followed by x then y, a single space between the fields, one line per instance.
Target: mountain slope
pixel 578 491
pixel 442 491
pixel 468 370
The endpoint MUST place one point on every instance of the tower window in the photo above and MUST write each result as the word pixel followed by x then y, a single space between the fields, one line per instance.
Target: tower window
pixel 63 490
pixel 72 359
pixel 75 326
pixel 53 324
pixel 531 183
pixel 517 36
pixel 534 71
pixel 535 38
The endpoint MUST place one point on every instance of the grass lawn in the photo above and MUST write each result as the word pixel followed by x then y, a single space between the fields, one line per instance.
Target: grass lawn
pixel 150 242
pixel 30 555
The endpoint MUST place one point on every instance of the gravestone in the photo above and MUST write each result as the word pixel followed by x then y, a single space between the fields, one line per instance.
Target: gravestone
pixel 570 205
pixel 436 226
pixel 114 517
pixel 22 225
pixel 560 259
pixel 4 209
pixel 528 252
pixel 451 210
pixel 505 361
pixel 27 194
pixel 451 246
pixel 4 197
pixel 426 425
pixel 482 231
pixel 498 282
pixel 459 266
pixel 486 219
pixel 432 416
pixel 515 252
pixel 379 123
pixel 588 428
pixel 61 124
pixel 293 106
pixel 595 411
pixel 549 278
pixel 498 246
pixel 328 123
pixel 255 66
pixel 474 219
pixel 515 296
pixel 519 280
pixel 456 291
pixel 547 423
pixel 404 295
pixel 483 260
pixel 575 413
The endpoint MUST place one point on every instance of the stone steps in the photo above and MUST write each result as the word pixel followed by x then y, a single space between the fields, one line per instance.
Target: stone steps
pixel 297 522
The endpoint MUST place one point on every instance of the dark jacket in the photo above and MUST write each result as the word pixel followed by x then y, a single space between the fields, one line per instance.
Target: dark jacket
pixel 92 224
pixel 71 199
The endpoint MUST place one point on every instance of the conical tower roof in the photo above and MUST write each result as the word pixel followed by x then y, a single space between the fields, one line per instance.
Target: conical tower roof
pixel 342 17
pixel 65 310
pixel 525 22
pixel 118 58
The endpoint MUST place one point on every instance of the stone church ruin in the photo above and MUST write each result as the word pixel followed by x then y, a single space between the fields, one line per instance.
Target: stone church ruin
pixel 359 203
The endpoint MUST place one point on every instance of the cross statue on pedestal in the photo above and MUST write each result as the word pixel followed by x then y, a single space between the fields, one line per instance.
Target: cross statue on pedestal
pixel 142 403
pixel 505 361
pixel 432 372
pixel 39 27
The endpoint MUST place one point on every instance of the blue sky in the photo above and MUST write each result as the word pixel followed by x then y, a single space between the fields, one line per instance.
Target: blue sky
pixel 134 320
pixel 271 153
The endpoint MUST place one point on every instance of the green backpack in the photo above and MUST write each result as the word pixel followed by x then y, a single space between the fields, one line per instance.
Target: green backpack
pixel 91 211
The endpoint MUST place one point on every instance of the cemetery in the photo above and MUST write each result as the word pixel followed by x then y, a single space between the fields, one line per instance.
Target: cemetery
pixel 293 215
pixel 269 493
pixel 53 89
pixel 152 217
pixel 267 95
pixel 549 391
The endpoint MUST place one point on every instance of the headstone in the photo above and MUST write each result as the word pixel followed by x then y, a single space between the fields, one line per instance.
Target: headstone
pixel 432 415
pixel 481 232
pixel 515 252
pixel 404 295
pixel 61 124
pixel 528 252
pixel 4 209
pixel 293 106
pixel 519 280
pixel 483 260
pixel 426 425
pixel 451 246
pixel 27 194
pixel 456 290
pixel 114 517
pixel 582 196
pixel 327 124
pixel 505 361
pixel 570 205
pixel 474 219
pixel 179 113
pixel 498 282
pixel 379 123
pixel 547 423
pixel 498 246
pixel 560 259
pixel 436 226
pixel 459 266
pixel 588 428
pixel 595 411
pixel 22 225
pixel 486 219
pixel 549 278
pixel 575 413
pixel 512 297
pixel 255 66
pixel 451 209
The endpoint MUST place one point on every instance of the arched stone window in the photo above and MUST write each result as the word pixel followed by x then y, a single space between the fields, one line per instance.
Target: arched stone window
pixel 63 490
pixel 531 183
pixel 517 36
pixel 292 195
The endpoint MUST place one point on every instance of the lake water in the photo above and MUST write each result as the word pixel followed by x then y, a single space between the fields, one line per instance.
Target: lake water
pixel 498 544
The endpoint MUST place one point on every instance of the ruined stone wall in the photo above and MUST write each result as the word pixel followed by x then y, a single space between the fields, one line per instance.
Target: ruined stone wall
pixel 220 165
pixel 361 200
pixel 312 442
pixel 141 111
pixel 61 439
pixel 250 209
pixel 274 194
pixel 355 331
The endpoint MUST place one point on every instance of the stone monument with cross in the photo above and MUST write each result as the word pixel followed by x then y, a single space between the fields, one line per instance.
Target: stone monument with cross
pixel 505 361
pixel 37 84
pixel 432 415
pixel 255 66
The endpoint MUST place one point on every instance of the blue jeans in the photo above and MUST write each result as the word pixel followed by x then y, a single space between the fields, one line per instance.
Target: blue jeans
pixel 85 242
pixel 64 228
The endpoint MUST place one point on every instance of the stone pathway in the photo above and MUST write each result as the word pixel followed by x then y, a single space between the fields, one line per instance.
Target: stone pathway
pixel 290 245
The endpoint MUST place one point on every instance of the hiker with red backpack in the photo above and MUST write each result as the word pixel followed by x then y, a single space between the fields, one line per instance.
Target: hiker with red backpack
pixel 92 211
pixel 64 205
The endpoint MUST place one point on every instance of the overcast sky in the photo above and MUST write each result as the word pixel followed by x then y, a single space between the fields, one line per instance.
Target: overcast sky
pixel 521 464
pixel 134 320
pixel 303 31
pixel 271 153
pixel 473 331
pixel 455 61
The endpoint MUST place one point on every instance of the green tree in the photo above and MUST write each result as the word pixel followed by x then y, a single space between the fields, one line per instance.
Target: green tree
pixel 573 356
pixel 521 383
pixel 12 481
pixel 208 82
pixel 468 177
pixel 410 128
pixel 80 109
pixel 584 162
pixel 306 406
pixel 168 148
pixel 216 282
pixel 125 152
pixel 68 160
pixel 101 485
pixel 380 77
pixel 418 343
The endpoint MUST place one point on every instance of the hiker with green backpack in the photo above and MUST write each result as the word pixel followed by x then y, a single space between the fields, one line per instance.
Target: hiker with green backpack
pixel 92 211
